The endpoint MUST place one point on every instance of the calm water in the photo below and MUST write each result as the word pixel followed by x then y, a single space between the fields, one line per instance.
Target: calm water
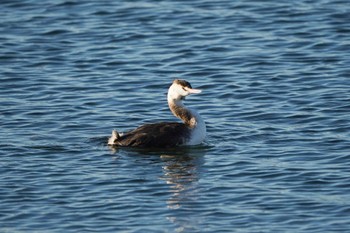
pixel 276 98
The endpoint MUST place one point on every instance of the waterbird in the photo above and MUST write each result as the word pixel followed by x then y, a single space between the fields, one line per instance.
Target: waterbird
pixel 167 134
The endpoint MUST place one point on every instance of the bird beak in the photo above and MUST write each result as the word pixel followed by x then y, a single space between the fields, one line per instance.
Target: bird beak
pixel 193 91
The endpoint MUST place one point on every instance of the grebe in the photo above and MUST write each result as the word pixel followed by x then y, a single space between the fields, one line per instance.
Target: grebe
pixel 167 134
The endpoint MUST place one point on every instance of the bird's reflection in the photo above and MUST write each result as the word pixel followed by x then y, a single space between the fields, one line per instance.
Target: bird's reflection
pixel 182 173
pixel 182 169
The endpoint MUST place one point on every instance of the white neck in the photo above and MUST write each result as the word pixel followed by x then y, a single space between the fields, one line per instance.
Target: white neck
pixel 180 111
pixel 190 118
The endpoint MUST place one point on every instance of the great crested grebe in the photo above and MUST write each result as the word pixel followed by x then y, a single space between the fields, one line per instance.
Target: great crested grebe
pixel 167 134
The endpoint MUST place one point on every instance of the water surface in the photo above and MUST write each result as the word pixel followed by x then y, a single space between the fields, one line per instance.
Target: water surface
pixel 276 99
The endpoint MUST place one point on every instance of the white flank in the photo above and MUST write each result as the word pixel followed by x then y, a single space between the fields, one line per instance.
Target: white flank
pixel 199 132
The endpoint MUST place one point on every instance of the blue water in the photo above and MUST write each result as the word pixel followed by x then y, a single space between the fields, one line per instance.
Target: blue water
pixel 275 77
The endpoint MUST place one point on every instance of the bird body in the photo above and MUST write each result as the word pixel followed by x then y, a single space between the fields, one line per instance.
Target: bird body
pixel 167 134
